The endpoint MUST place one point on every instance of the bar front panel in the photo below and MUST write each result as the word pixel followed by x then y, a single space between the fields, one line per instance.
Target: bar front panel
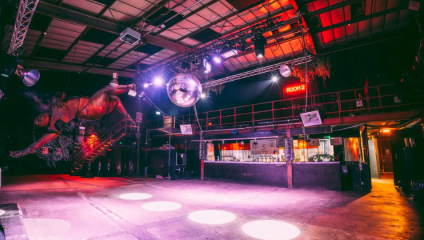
pixel 262 174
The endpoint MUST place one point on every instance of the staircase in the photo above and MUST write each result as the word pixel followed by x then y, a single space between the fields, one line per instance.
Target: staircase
pixel 105 140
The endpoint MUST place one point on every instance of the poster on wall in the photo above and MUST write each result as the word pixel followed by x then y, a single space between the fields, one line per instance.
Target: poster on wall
pixel 264 146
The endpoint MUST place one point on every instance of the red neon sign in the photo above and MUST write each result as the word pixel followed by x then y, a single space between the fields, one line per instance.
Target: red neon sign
pixel 296 88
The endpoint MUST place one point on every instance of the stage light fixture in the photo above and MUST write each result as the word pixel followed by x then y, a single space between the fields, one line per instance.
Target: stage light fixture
pixel 274 78
pixel 157 113
pixel 217 58
pixel 207 66
pixel 158 81
pixel 146 85
pixel 259 43
pixel 203 95
pixel 29 78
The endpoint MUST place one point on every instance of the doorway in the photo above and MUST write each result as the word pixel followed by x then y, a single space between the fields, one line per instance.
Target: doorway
pixel 385 157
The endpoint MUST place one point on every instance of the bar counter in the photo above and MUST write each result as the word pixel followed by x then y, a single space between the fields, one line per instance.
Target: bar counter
pixel 319 175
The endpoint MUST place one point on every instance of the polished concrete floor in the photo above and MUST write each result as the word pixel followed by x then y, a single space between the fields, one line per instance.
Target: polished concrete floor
pixel 64 207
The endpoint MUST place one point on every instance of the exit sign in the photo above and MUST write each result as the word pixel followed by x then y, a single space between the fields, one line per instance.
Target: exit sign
pixel 295 88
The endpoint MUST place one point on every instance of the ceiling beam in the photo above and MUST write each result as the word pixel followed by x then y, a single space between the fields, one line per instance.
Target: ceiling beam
pixel 356 20
pixel 281 10
pixel 149 13
pixel 331 7
pixel 103 25
pixel 194 12
pixel 73 68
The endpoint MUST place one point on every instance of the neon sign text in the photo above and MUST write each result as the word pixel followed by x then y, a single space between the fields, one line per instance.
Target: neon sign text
pixel 297 88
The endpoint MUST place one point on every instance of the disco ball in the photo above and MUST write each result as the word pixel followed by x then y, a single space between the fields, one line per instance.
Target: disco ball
pixel 285 70
pixel 184 90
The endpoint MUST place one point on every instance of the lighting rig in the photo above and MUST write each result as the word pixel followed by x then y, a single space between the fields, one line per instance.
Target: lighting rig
pixel 9 63
pixel 235 43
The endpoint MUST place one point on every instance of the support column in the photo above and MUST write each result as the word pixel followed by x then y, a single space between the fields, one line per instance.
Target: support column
pixel 288 152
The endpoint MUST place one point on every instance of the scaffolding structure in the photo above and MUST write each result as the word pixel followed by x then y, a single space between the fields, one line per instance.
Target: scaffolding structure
pixel 23 20
pixel 257 71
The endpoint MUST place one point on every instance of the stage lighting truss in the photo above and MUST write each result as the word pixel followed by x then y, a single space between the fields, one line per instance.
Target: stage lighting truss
pixel 236 39
pixel 257 71
pixel 23 19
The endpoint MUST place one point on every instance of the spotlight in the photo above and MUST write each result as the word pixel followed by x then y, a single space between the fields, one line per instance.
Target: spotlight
pixel 259 43
pixel 207 66
pixel 157 113
pixel 146 85
pixel 274 78
pixel 217 59
pixel 203 95
pixel 158 81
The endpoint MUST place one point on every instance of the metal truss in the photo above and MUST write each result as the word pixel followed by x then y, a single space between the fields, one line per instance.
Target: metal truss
pixel 23 19
pixel 256 71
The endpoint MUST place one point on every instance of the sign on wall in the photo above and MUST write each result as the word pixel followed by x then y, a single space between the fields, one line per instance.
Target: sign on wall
pixel 264 146
pixel 295 88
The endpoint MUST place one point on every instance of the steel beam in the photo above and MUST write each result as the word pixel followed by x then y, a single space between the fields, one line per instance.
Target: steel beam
pixel 73 68
pixel 371 118
pixel 23 19
pixel 256 71
pixel 283 9
pixel 102 24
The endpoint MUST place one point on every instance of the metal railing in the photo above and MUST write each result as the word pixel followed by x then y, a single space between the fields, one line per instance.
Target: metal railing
pixel 105 139
pixel 375 100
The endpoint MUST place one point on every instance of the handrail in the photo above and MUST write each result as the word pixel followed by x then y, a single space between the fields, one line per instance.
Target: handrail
pixel 107 136
pixel 340 104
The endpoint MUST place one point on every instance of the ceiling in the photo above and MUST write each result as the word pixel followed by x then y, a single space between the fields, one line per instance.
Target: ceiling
pixel 72 35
